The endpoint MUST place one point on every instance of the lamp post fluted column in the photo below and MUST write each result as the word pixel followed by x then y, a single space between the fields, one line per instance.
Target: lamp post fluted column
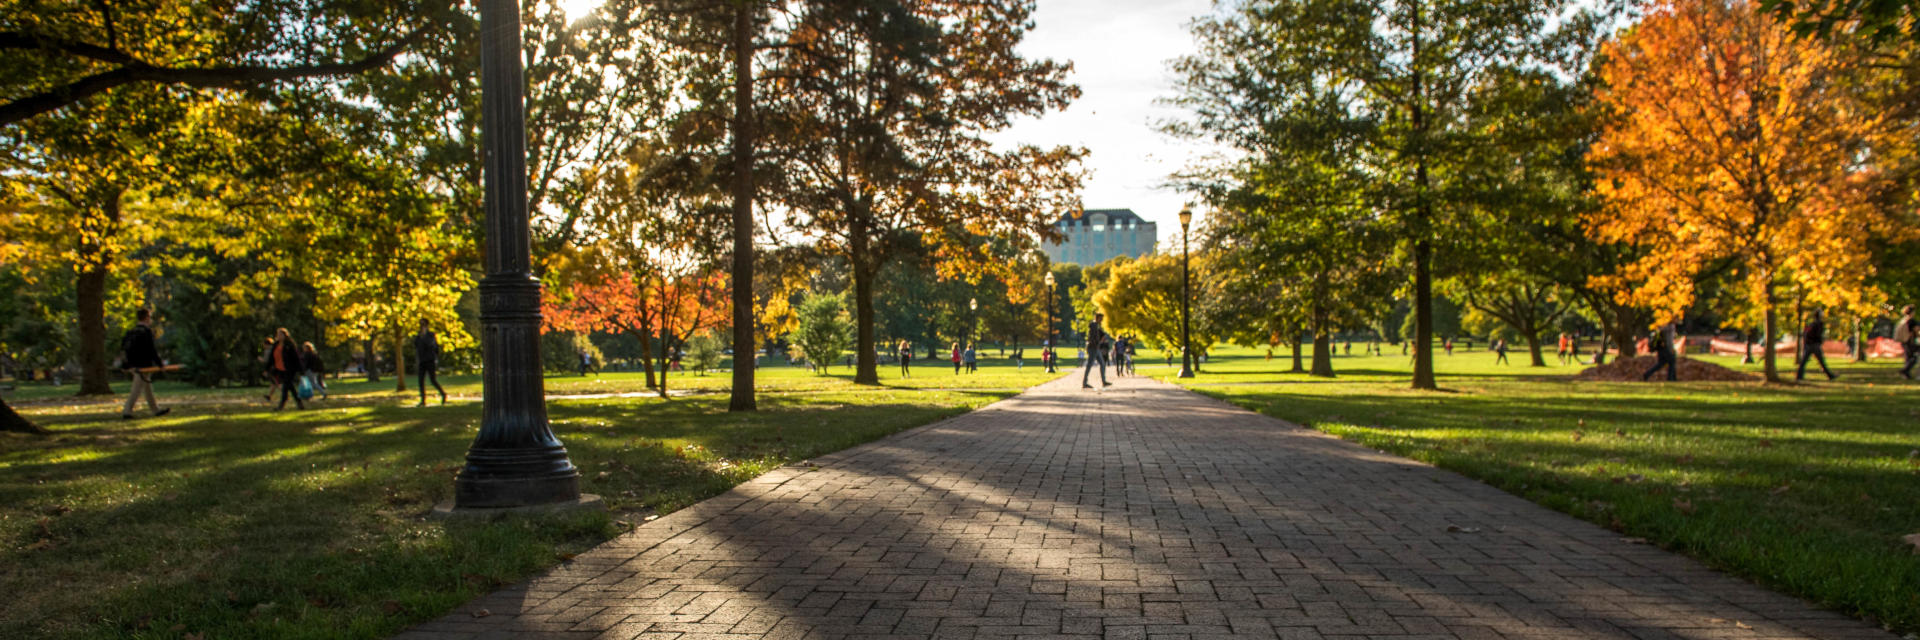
pixel 515 461
pixel 1186 293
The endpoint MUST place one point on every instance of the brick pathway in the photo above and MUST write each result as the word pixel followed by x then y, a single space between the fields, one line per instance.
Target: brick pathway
pixel 1140 511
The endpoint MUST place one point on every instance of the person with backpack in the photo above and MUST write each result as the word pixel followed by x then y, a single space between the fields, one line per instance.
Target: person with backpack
pixel 426 356
pixel 284 359
pixel 1813 342
pixel 138 350
pixel 1500 351
pixel 315 368
pixel 1661 341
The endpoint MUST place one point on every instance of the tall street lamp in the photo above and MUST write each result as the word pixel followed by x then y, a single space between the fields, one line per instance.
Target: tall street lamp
pixel 1047 353
pixel 1186 293
pixel 515 461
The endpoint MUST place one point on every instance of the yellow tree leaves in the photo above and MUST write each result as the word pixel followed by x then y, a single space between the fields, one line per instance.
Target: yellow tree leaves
pixel 1730 138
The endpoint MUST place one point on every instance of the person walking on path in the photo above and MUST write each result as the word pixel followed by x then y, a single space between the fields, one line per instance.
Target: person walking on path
pixel 906 359
pixel 1096 357
pixel 1813 341
pixel 1500 351
pixel 139 351
pixel 971 357
pixel 1664 356
pixel 315 368
pixel 287 367
pixel 426 357
pixel 1904 332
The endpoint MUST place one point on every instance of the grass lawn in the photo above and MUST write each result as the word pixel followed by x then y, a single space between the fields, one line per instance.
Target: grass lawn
pixel 1804 488
pixel 227 520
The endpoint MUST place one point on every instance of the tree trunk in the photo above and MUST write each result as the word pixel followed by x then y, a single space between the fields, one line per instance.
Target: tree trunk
pixel 1423 218
pixel 666 338
pixel 16 423
pixel 868 371
pixel 1533 344
pixel 742 398
pixel 646 356
pixel 1298 367
pixel 1322 356
pixel 1623 332
pixel 373 370
pixel 90 293
pixel 1767 348
pixel 399 362
pixel 1859 340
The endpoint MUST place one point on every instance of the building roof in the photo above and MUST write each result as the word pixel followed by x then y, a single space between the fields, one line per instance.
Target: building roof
pixel 1114 216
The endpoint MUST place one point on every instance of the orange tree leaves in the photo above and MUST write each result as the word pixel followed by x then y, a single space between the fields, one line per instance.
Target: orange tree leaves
pixel 1730 139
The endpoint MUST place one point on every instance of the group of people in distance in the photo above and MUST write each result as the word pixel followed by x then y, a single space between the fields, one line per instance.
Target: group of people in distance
pixel 287 365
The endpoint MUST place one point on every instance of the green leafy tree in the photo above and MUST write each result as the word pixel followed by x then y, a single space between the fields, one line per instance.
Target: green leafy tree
pixel 1388 83
pixel 824 332
pixel 884 111
pixel 704 352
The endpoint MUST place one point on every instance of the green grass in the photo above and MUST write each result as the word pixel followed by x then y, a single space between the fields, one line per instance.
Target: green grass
pixel 1804 488
pixel 230 521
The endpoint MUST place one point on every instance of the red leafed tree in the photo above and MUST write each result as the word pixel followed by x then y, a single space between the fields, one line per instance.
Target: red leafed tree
pixel 655 309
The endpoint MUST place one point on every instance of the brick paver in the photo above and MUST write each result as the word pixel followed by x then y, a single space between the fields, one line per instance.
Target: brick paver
pixel 1139 511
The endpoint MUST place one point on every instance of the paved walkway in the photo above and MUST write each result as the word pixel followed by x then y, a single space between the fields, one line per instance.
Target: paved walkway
pixel 1139 511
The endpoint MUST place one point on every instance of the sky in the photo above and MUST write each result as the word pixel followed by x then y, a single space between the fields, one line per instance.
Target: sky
pixel 1119 50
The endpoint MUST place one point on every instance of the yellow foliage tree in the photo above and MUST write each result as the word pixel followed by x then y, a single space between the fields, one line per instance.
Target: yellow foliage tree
pixel 1730 140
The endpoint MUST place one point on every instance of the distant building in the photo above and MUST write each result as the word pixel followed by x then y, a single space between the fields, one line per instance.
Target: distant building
pixel 1097 235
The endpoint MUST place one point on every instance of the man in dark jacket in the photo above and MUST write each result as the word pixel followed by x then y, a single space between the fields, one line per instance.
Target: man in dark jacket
pixel 1664 356
pixel 1096 352
pixel 138 351
pixel 426 356
pixel 1813 340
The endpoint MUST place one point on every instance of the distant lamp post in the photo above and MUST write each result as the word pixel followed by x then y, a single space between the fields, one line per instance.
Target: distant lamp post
pixel 973 315
pixel 515 461
pixel 1047 353
pixel 1186 293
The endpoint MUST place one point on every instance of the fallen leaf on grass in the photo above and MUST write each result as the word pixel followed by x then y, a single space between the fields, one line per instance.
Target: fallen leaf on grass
pixel 1686 459
pixel 1913 539
pixel 59 509
pixel 1577 435
pixel 392 607
pixel 1766 443
pixel 1780 489
pixel 482 613
pixel 1685 506
pixel 1742 625
pixel 43 545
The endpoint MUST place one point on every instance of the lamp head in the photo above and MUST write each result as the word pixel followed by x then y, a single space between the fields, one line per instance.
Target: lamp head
pixel 1049 278
pixel 1186 215
pixel 973 303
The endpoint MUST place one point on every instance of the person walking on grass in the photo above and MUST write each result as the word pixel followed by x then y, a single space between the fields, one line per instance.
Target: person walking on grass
pixel 971 358
pixel 1447 345
pixel 1906 331
pixel 266 369
pixel 1813 340
pixel 586 364
pixel 287 367
pixel 1096 356
pixel 139 351
pixel 426 357
pixel 906 359
pixel 1663 353
pixel 954 355
pixel 315 369
pixel 1500 351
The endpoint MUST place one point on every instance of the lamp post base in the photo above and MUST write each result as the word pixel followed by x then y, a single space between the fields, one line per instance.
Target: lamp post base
pixel 587 502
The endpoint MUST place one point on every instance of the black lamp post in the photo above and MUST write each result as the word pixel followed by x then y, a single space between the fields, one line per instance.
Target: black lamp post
pixel 1186 293
pixel 515 461
pixel 1048 353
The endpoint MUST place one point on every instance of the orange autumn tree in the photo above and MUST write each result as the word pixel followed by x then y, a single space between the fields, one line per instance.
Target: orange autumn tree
pixel 1730 142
